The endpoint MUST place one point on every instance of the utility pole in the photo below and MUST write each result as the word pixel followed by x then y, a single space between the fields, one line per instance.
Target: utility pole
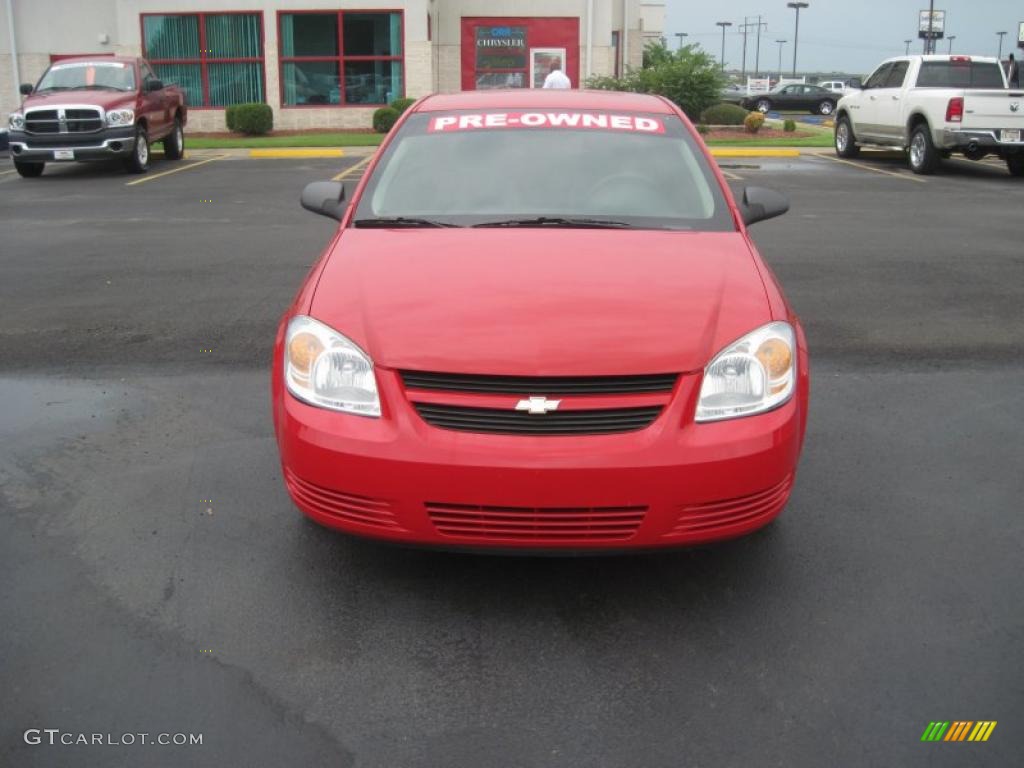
pixel 908 42
pixel 743 66
pixel 951 38
pixel 796 32
pixel 757 56
pixel 1001 35
pixel 723 25
pixel 681 35
pixel 929 42
pixel 781 43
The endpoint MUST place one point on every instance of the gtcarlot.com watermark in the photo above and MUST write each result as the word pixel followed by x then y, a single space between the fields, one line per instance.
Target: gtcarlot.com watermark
pixel 55 737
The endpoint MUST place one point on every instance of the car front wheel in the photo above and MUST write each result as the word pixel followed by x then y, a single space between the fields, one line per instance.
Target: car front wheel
pixel 138 161
pixel 846 145
pixel 29 170
pixel 764 105
pixel 826 108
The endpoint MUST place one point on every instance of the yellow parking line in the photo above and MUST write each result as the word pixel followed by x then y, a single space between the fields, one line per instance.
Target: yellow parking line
pixel 750 152
pixel 282 153
pixel 904 176
pixel 152 176
pixel 350 171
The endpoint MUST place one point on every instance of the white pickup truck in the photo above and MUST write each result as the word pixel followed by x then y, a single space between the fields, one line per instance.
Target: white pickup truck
pixel 933 106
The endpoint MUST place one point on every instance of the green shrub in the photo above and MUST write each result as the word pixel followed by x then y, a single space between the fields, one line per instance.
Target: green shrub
pixel 702 129
pixel 400 105
pixel 724 114
pixel 690 77
pixel 384 118
pixel 253 119
pixel 753 122
pixel 789 126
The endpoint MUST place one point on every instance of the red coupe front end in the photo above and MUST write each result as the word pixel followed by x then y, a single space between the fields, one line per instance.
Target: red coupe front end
pixel 483 378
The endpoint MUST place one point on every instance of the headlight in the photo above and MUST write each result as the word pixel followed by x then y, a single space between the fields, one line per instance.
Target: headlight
pixel 323 368
pixel 753 375
pixel 116 117
pixel 16 121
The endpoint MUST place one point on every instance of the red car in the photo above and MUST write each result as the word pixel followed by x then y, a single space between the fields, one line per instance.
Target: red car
pixel 541 325
pixel 96 108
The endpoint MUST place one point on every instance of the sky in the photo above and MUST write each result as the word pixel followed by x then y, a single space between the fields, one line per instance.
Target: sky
pixel 851 37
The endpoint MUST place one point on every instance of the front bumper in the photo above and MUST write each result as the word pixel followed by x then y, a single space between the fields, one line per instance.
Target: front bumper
pixel 99 145
pixel 986 138
pixel 671 484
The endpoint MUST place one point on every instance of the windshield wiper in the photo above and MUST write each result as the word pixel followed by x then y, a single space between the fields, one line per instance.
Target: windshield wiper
pixel 386 222
pixel 94 85
pixel 558 221
pixel 53 88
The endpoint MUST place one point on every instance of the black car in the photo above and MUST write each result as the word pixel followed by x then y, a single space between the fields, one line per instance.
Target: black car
pixel 794 96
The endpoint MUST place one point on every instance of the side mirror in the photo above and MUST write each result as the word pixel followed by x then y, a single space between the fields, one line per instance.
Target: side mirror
pixel 760 204
pixel 25 89
pixel 326 198
pixel 154 85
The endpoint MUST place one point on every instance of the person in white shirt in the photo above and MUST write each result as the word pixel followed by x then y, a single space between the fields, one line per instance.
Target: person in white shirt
pixel 556 78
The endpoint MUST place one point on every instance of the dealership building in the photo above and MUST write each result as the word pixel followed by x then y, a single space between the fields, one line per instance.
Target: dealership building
pixel 328 64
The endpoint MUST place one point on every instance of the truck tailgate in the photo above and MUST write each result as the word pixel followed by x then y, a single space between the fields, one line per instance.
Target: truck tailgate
pixel 995 109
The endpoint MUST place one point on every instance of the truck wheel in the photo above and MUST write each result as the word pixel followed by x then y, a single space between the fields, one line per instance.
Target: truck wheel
pixel 764 105
pixel 1015 164
pixel 846 145
pixel 138 161
pixel 174 144
pixel 826 107
pixel 29 170
pixel 924 158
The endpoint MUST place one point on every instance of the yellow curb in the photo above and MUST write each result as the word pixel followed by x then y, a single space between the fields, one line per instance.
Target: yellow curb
pixel 731 152
pixel 321 152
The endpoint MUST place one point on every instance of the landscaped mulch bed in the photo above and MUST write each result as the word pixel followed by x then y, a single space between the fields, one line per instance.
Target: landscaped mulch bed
pixel 764 133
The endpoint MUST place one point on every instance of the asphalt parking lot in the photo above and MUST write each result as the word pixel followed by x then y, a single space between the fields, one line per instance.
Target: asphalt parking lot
pixel 157 578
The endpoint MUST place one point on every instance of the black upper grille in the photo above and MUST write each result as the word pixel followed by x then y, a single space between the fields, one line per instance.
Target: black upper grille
pixel 495 421
pixel 539 385
pixel 75 121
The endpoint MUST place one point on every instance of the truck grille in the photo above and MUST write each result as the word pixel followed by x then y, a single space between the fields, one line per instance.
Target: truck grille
pixel 470 521
pixel 508 422
pixel 539 385
pixel 63 120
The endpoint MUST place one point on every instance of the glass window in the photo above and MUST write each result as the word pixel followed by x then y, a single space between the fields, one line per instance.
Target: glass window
pixel 476 176
pixel 879 76
pixel 366 68
pixel 896 74
pixel 961 73
pixel 501 57
pixel 309 34
pixel 215 58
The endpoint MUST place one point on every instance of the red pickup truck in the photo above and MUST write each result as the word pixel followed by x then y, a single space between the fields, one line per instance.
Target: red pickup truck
pixel 96 108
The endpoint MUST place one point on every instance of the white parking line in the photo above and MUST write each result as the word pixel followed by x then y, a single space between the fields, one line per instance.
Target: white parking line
pixel 152 176
pixel 894 174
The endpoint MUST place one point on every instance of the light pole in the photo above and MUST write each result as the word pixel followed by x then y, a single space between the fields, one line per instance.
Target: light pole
pixel 1001 35
pixel 796 32
pixel 681 35
pixel 723 25
pixel 907 43
pixel 781 43
pixel 951 38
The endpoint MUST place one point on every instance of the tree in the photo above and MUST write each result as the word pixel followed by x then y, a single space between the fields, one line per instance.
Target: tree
pixel 690 77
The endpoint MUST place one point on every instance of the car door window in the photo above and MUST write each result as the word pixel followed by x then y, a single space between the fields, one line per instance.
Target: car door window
pixel 897 74
pixel 878 78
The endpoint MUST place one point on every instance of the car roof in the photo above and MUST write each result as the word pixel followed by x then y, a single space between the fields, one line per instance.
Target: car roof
pixel 97 57
pixel 540 98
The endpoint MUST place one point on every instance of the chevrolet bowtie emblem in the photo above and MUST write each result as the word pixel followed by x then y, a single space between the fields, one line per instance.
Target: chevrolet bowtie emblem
pixel 537 405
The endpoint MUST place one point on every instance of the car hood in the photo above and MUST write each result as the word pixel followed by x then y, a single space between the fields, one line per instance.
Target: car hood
pixel 105 99
pixel 541 301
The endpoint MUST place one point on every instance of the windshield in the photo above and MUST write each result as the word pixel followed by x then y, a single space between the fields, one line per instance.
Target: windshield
pixel 572 168
pixel 82 75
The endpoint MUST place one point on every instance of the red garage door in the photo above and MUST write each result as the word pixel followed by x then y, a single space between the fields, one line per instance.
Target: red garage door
pixel 516 52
